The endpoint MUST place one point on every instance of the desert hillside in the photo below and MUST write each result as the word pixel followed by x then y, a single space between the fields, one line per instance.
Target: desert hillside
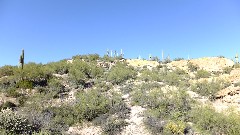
pixel 93 95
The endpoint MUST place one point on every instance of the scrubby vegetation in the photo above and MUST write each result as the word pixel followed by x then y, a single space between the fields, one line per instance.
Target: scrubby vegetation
pixel 50 98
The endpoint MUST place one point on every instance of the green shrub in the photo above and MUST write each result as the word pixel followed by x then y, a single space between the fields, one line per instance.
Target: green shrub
pixel 7 82
pixel 113 126
pixel 87 58
pixel 236 65
pixel 91 104
pixel 60 67
pixel 33 72
pixel 208 120
pixel 120 73
pixel 202 74
pixel 12 92
pixel 7 104
pixel 148 75
pixel 14 123
pixel 237 84
pixel 209 89
pixel 7 70
pixel 178 59
pixel 227 70
pixel 192 67
pixel 25 84
pixel 175 127
pixel 81 71
pixel 171 106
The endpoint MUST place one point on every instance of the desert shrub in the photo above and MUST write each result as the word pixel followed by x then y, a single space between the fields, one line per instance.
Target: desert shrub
pixel 12 92
pixel 7 104
pixel 202 74
pixel 177 127
pixel 221 56
pixel 178 59
pixel 148 75
pixel 167 60
pixel 209 89
pixel 154 124
pixel 113 126
pixel 60 67
pixel 102 85
pixel 227 70
pixel 237 84
pixel 7 70
pixel 118 107
pixel 87 58
pixel 33 72
pixel 14 123
pixel 63 115
pixel 56 87
pixel 172 78
pixel 81 71
pixel 192 67
pixel 163 107
pixel 213 122
pixel 236 65
pixel 7 82
pixel 91 104
pixel 120 73
pixel 25 84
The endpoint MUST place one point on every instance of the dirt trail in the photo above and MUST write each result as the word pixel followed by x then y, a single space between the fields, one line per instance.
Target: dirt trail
pixel 136 125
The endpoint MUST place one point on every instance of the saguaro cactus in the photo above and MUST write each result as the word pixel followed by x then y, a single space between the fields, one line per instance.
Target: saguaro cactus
pixel 21 60
pixel 236 57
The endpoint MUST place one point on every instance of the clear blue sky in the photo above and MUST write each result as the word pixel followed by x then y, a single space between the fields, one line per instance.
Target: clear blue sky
pixel 51 30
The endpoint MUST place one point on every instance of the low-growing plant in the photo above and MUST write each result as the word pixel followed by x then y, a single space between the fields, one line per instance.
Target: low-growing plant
pixel 14 123
pixel 202 74
pixel 8 104
pixel 25 84
pixel 227 70
pixel 91 104
pixel 113 126
pixel 7 70
pixel 213 122
pixel 209 89
pixel 13 92
pixel 120 73
pixel 175 127
pixel 178 59
pixel 192 67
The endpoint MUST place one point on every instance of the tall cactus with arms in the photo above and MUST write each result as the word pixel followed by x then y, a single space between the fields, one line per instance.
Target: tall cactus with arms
pixel 21 61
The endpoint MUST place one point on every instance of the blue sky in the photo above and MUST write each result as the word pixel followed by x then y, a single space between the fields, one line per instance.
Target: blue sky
pixel 51 30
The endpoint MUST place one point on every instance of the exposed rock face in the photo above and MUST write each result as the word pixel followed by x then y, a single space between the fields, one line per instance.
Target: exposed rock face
pixel 207 63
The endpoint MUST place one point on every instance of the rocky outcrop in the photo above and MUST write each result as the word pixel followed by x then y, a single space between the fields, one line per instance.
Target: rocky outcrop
pixel 208 63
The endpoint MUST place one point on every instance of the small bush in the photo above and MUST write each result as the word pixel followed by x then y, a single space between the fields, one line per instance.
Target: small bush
pixel 8 104
pixel 113 126
pixel 209 89
pixel 202 74
pixel 12 92
pixel 61 67
pixel 25 84
pixel 192 67
pixel 178 59
pixel 120 73
pixel 14 123
pixel 227 70
pixel 237 84
pixel 7 71
pixel 208 120
pixel 148 75
pixel 91 104
pixel 175 127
